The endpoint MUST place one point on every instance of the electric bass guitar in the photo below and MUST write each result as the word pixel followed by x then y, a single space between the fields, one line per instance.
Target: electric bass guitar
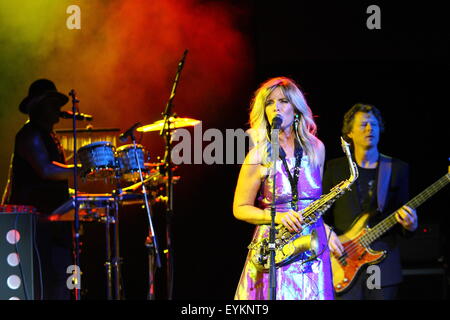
pixel 356 241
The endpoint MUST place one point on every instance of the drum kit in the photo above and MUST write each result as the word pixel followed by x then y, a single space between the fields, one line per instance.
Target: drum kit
pixel 102 161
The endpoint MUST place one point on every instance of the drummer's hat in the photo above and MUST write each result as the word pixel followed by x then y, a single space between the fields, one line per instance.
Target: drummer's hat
pixel 42 91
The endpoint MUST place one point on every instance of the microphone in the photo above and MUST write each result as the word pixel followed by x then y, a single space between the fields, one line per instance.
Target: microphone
pixel 277 121
pixel 78 116
pixel 124 136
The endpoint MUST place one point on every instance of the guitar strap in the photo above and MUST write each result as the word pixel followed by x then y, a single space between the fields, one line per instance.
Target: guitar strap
pixel 293 180
pixel 384 177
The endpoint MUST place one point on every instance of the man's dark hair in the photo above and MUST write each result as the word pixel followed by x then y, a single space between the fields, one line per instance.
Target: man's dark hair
pixel 350 116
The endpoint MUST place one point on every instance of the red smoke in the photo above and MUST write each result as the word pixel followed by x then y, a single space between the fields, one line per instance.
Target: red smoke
pixel 126 63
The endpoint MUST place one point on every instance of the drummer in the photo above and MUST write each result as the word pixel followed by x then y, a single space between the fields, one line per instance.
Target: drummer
pixel 40 179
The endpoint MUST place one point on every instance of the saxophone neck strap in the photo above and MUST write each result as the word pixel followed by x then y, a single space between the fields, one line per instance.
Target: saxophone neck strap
pixel 293 180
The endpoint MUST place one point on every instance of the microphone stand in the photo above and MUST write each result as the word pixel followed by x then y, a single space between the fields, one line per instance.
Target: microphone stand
pixel 166 132
pixel 75 101
pixel 272 267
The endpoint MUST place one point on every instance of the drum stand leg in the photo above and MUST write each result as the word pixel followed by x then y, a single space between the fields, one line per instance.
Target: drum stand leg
pixel 108 257
pixel 151 268
pixel 116 259
pixel 113 262
pixel 151 244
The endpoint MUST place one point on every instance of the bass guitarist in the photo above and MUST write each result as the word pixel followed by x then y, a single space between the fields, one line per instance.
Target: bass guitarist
pixel 382 188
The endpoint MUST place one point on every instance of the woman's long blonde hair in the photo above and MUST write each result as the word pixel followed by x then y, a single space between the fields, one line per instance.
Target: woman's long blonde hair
pixel 305 130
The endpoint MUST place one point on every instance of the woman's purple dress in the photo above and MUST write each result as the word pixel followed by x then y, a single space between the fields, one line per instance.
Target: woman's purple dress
pixel 298 280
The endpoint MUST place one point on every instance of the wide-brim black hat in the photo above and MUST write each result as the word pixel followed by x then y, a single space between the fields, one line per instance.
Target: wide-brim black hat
pixel 40 91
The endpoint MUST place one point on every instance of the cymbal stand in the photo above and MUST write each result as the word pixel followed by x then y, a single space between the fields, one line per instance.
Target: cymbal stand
pixel 151 243
pixel 166 132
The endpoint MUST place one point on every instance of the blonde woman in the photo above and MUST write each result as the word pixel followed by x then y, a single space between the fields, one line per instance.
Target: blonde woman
pixel 299 173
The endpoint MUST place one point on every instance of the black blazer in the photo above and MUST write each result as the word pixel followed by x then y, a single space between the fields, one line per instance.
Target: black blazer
pixel 392 193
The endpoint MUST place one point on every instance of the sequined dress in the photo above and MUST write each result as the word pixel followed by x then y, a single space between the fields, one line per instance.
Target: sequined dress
pixel 298 280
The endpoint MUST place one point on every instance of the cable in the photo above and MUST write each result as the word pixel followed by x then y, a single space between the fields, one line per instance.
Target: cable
pixel 18 255
pixel 41 283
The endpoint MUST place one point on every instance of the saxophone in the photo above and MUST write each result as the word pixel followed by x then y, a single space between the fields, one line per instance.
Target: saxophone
pixel 289 245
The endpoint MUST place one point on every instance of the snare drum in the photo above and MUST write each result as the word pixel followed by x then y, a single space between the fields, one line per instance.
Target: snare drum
pixel 97 160
pixel 128 165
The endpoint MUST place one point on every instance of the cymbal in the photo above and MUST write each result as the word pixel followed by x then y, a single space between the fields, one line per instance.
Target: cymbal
pixel 174 123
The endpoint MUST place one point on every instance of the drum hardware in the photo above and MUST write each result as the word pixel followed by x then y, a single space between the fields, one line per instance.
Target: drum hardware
pixel 101 161
pixel 166 127
pixel 151 262
pixel 110 263
pixel 116 260
pixel 153 250
pixel 96 203
pixel 166 131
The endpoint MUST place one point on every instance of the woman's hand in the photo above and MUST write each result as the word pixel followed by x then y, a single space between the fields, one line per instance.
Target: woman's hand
pixel 291 219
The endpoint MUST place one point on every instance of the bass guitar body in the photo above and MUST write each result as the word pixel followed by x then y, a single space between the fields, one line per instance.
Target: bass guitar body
pixel 356 255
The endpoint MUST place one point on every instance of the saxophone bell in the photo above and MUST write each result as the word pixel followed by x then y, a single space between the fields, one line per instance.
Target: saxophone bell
pixel 302 244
